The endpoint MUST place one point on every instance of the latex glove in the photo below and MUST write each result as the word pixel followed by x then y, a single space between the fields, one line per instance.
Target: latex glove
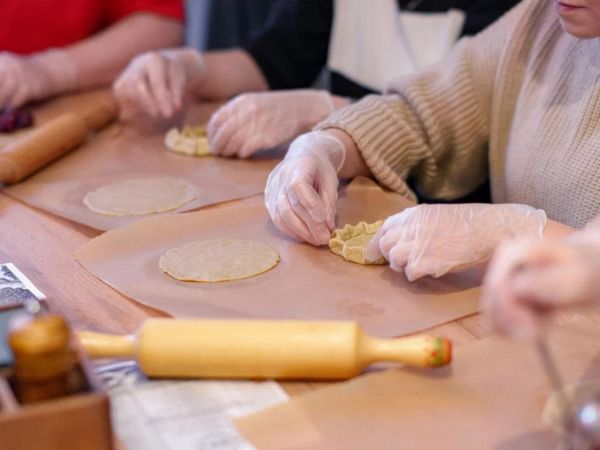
pixel 155 82
pixel 528 280
pixel 260 121
pixel 302 190
pixel 436 239
pixel 34 77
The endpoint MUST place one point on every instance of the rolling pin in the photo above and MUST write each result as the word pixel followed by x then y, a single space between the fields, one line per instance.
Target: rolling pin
pixel 175 348
pixel 53 139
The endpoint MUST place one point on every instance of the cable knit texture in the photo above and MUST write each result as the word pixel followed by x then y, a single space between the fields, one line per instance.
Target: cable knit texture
pixel 519 102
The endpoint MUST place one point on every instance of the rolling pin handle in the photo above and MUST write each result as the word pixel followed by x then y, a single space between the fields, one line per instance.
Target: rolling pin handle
pixel 98 345
pixel 417 351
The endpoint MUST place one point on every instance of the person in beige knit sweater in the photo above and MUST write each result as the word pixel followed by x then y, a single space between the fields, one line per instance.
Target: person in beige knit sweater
pixel 518 103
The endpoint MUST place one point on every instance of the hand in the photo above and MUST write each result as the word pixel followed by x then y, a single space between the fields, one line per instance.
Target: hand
pixel 302 190
pixel 528 280
pixel 260 121
pixel 155 82
pixel 26 78
pixel 436 239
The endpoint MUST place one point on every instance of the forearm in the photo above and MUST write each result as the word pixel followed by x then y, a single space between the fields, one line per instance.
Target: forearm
pixel 100 58
pixel 228 73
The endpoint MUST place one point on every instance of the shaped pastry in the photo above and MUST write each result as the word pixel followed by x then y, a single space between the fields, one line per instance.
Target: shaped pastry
pixel 189 141
pixel 351 242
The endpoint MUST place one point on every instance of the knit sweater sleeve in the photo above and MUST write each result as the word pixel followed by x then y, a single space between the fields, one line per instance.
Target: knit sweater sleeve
pixel 433 126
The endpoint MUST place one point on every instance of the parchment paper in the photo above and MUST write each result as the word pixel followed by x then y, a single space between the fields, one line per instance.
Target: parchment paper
pixel 491 397
pixel 118 153
pixel 308 283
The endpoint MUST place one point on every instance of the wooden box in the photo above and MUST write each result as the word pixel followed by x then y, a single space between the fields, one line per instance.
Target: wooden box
pixel 77 422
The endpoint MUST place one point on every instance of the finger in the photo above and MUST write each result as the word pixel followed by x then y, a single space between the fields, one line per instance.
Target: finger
pixel 329 197
pixel 218 140
pixel 507 259
pixel 249 148
pixel 157 77
pixel 373 251
pixel 299 230
pixel 319 231
pixel 505 312
pixel 398 256
pixel 276 218
pixel 306 195
pixel 552 287
pixel 233 141
pixel 144 98
pixel 176 86
pixel 517 321
pixel 222 128
pixel 390 239
pixel 271 189
pixel 502 309
pixel 217 120
pixel 390 223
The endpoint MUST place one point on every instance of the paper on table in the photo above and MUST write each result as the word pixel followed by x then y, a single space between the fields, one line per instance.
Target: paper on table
pixel 181 415
pixel 491 397
pixel 113 156
pixel 309 283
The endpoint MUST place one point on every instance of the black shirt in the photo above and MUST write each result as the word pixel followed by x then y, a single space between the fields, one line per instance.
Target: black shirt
pixel 291 49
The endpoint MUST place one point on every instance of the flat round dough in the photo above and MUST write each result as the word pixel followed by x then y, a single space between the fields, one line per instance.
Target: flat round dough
pixel 218 260
pixel 140 196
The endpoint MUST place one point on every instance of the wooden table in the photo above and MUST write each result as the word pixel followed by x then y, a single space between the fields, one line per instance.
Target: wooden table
pixel 42 246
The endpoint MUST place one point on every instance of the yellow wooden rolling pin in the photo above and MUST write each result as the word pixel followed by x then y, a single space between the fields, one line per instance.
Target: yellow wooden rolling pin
pixel 174 348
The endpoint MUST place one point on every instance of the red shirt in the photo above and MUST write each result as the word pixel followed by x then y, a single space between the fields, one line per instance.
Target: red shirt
pixel 28 26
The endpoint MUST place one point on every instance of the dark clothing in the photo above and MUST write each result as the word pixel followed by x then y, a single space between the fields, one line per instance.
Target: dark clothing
pixel 291 48
pixel 224 24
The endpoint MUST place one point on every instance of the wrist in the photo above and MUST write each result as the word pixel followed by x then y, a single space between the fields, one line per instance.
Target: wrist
pixel 56 70
pixel 333 147
pixel 318 145
pixel 194 67
pixel 313 107
pixel 521 220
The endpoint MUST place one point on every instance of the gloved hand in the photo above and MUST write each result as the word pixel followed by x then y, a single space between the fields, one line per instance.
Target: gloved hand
pixel 34 77
pixel 302 190
pixel 155 82
pixel 259 121
pixel 436 239
pixel 528 280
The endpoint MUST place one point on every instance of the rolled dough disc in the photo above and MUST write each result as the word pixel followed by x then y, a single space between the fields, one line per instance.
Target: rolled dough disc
pixel 140 196
pixel 218 260
pixel 351 242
